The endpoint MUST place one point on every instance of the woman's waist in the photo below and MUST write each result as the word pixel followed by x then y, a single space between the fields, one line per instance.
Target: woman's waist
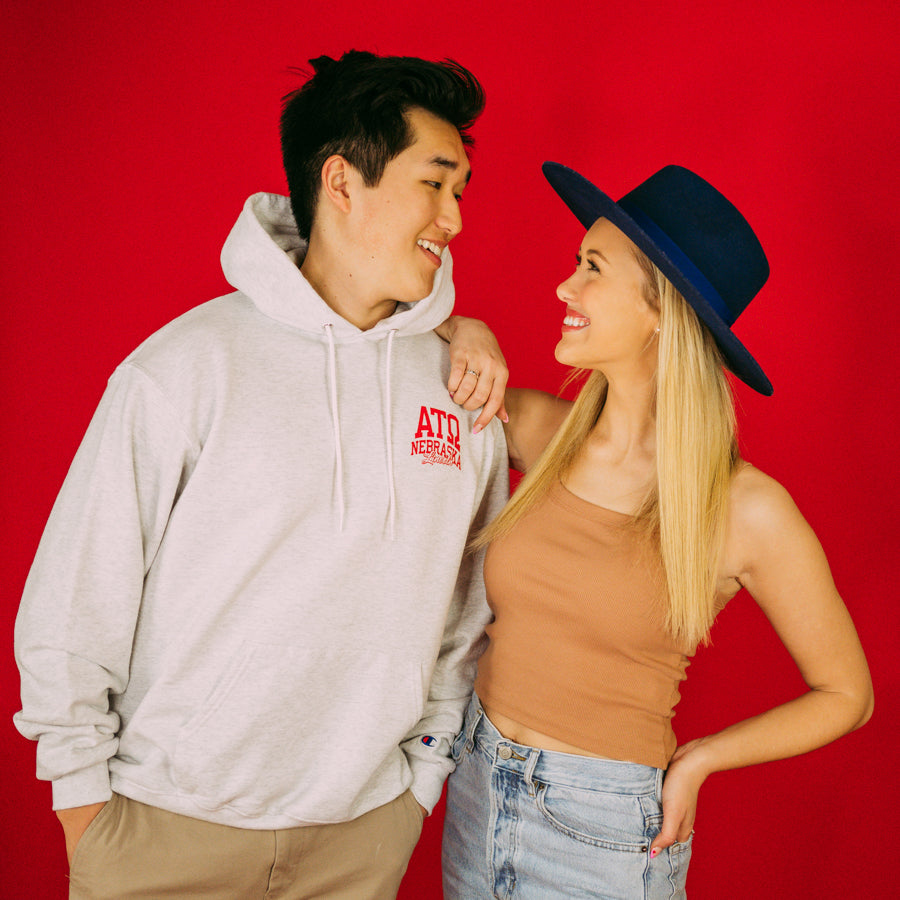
pixel 578 719
pixel 522 734
pixel 574 769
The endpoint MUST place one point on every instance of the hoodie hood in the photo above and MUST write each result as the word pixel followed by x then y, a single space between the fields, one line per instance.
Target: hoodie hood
pixel 262 258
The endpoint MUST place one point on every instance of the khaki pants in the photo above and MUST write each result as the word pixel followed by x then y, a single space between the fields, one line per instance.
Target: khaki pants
pixel 134 850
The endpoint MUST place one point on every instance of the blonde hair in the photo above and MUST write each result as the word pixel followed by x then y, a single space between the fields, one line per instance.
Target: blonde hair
pixel 696 456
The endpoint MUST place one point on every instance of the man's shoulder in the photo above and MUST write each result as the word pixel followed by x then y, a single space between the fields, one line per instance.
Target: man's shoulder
pixel 195 331
pixel 425 352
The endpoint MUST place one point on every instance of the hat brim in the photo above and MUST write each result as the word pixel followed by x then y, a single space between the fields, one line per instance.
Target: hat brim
pixel 588 203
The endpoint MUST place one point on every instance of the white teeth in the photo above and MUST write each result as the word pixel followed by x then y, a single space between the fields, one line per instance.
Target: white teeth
pixel 576 321
pixel 428 245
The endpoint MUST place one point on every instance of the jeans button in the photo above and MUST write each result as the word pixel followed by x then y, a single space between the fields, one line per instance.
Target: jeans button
pixel 504 752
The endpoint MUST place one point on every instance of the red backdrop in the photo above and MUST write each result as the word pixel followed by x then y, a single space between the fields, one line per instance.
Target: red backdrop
pixel 133 132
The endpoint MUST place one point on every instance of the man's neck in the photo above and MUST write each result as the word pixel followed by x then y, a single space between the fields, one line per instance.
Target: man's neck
pixel 333 281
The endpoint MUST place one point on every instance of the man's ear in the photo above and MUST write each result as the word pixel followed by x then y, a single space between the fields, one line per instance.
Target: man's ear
pixel 337 175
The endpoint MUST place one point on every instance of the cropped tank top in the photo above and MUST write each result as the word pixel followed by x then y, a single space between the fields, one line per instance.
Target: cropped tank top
pixel 578 647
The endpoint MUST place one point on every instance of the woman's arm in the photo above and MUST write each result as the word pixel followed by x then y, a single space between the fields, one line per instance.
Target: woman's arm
pixel 534 417
pixel 478 371
pixel 530 418
pixel 785 570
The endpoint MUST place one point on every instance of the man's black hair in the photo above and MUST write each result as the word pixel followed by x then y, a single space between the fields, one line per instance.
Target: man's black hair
pixel 355 106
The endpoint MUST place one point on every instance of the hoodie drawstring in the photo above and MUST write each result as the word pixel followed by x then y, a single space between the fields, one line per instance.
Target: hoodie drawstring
pixel 338 451
pixel 388 429
pixel 389 444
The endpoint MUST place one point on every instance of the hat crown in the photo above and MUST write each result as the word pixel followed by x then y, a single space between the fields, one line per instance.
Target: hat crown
pixel 695 236
pixel 708 229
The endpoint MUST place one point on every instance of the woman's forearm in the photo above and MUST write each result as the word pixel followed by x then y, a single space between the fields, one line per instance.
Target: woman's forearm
pixel 810 721
pixel 798 726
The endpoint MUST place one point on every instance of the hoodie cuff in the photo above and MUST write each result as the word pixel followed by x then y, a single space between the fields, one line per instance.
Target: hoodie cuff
pixel 428 779
pixel 82 787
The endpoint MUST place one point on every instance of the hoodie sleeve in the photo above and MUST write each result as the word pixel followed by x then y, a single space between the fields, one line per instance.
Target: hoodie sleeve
pixel 427 746
pixel 76 622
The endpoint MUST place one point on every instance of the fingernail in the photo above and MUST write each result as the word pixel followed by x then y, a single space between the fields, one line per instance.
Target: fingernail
pixel 654 852
pixel 477 429
pixel 505 419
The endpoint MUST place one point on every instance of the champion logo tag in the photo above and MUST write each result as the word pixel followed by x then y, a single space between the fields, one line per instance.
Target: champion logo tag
pixel 429 741
pixel 437 438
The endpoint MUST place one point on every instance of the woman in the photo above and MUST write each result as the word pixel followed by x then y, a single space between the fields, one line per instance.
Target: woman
pixel 635 524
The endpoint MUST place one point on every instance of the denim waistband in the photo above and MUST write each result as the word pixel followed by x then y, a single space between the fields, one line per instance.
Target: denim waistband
pixel 553 767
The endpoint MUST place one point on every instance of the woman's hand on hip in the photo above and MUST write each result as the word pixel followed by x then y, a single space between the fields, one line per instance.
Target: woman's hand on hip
pixel 684 777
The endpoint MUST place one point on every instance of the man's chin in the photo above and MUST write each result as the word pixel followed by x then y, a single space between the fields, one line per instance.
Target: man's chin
pixel 414 294
pixel 418 296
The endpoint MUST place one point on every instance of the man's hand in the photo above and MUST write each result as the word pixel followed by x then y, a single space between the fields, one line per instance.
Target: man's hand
pixel 478 372
pixel 75 822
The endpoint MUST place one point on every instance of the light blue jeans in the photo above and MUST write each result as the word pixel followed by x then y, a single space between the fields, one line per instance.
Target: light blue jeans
pixel 529 824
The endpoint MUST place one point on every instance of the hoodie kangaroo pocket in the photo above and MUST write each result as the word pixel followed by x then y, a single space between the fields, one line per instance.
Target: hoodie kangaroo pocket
pixel 298 731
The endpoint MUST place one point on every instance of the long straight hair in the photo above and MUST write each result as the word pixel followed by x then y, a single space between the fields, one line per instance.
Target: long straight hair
pixel 685 509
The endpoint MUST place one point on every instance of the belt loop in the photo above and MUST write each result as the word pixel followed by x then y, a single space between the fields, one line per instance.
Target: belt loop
pixel 528 776
pixel 473 725
pixel 659 784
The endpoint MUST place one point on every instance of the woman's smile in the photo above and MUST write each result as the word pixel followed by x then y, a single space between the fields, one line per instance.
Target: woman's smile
pixel 574 321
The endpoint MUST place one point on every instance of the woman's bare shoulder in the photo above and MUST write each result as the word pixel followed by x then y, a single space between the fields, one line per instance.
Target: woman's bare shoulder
pixel 757 499
pixel 764 522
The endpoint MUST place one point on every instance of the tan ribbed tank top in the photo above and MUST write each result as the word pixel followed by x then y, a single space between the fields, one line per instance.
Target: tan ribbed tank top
pixel 578 649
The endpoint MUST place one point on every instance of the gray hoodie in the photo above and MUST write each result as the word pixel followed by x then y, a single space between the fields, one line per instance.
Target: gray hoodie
pixel 251 603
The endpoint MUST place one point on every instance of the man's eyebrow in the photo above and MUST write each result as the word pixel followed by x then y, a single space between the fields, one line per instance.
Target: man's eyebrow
pixel 450 164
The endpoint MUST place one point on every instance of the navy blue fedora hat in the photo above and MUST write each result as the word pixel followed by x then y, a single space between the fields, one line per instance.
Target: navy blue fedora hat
pixel 695 236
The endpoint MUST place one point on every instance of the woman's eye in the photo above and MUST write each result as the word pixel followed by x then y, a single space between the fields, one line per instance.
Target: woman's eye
pixel 435 184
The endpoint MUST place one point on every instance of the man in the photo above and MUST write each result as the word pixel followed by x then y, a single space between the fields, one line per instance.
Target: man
pixel 250 629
